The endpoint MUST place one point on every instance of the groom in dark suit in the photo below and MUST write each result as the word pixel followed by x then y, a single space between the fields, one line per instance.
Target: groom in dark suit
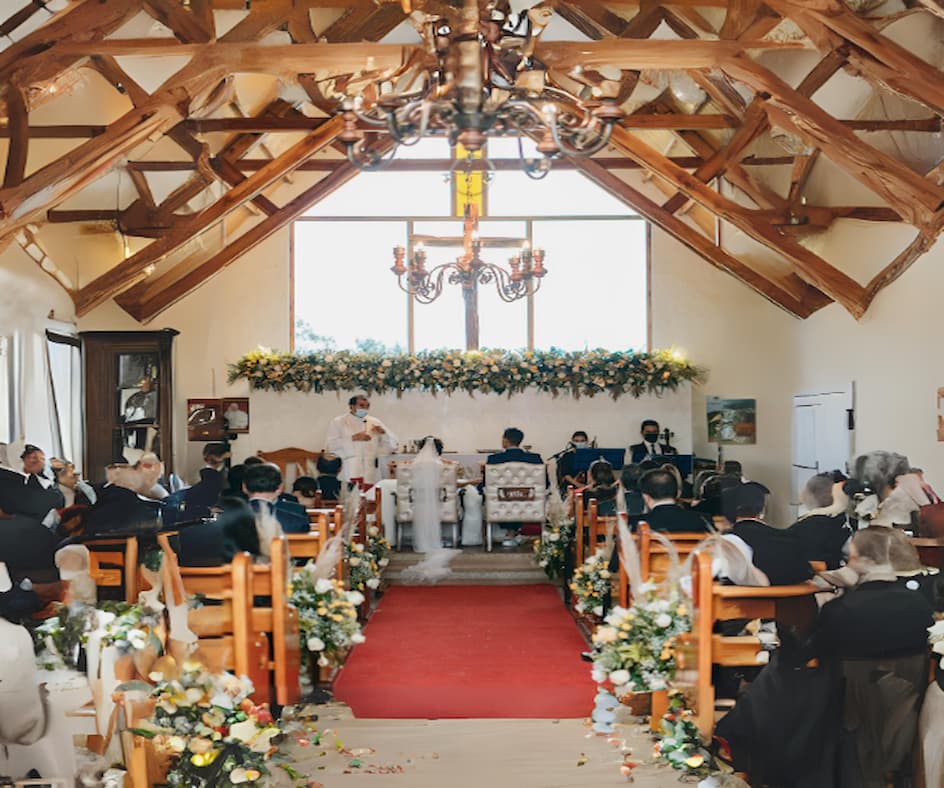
pixel 511 444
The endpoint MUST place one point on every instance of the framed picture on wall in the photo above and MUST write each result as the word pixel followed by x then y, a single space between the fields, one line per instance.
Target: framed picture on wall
pixel 205 420
pixel 236 414
pixel 732 420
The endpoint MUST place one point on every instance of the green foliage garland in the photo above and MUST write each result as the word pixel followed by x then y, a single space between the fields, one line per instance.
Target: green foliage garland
pixel 585 373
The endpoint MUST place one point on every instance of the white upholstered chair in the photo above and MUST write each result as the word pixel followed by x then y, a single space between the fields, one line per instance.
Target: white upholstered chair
pixel 448 496
pixel 515 492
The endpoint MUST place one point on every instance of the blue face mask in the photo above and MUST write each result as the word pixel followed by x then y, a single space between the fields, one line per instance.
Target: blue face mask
pixel 361 413
pixel 580 444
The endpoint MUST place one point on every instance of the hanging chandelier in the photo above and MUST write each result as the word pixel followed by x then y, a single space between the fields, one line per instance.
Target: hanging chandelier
pixel 522 278
pixel 478 81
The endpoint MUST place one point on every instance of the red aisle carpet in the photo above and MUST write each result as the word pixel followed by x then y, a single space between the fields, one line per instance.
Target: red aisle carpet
pixel 468 651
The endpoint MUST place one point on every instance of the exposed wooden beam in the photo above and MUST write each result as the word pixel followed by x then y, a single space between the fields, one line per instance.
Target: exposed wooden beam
pixel 262 124
pixel 139 179
pixel 18 150
pixel 694 240
pixel 224 167
pixel 365 22
pixel 802 167
pixel 755 124
pixel 130 270
pixel 12 22
pixel 264 16
pixel 902 262
pixel 877 55
pixel 679 120
pixel 740 15
pixel 831 281
pixel 184 24
pixel 147 299
pixel 593 19
pixel 905 190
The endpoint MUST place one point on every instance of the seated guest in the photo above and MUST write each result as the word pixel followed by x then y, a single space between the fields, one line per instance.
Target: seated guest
pixel 733 468
pixel 512 451
pixel 215 456
pixel 823 531
pixel 685 487
pixel 774 551
pixel 714 492
pixel 253 460
pixel 234 481
pixel 909 570
pixel 603 488
pixel 650 447
pixel 263 486
pixel 204 495
pixel 74 490
pixel 216 542
pixel 629 478
pixel 29 548
pixel 660 491
pixel 567 475
pixel 329 468
pixel 122 504
pixel 305 491
pixel 18 496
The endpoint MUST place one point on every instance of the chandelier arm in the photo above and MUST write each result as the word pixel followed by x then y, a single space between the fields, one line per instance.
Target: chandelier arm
pixel 368 160
pixel 582 130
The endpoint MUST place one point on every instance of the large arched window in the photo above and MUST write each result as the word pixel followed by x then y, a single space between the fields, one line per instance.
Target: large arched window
pixel 594 295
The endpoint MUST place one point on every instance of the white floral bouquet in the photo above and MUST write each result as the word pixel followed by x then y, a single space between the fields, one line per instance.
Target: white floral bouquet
pixel 635 648
pixel 363 567
pixel 550 551
pixel 378 546
pixel 131 627
pixel 216 736
pixel 591 583
pixel 327 615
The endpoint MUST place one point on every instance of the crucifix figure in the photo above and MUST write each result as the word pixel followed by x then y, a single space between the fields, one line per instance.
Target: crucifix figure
pixel 469 270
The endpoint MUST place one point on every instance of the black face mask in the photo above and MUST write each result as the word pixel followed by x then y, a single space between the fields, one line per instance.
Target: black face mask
pixel 651 437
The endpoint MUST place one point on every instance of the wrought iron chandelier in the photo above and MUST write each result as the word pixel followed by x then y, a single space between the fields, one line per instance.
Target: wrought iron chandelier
pixel 478 81
pixel 469 270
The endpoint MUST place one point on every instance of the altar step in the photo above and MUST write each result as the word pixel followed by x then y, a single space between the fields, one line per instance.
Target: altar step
pixel 476 567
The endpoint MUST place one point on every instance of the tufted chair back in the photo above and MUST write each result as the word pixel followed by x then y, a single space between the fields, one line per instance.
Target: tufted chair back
pixel 515 492
pixel 448 492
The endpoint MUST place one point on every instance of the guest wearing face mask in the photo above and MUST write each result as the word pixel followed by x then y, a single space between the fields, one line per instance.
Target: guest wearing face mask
pixel 650 448
pixel 358 439
pixel 567 475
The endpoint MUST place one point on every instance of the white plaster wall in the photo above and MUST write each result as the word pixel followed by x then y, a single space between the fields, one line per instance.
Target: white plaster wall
pixel 892 353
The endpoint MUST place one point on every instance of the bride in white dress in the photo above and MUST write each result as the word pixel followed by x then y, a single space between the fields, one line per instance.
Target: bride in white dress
pixel 427 525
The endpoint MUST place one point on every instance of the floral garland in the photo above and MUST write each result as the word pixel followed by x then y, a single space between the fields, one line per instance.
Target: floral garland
pixel 327 615
pixel 579 373
pixel 591 582
pixel 681 745
pixel 635 648
pixel 363 569
pixel 216 735
pixel 550 551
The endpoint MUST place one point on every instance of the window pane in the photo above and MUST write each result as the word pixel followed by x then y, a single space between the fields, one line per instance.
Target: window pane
pixel 344 295
pixel 560 193
pixel 441 324
pixel 594 294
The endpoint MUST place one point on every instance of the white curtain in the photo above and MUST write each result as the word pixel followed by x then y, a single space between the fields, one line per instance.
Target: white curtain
pixel 65 395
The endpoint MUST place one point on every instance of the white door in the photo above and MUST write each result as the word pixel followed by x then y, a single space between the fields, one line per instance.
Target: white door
pixel 823 430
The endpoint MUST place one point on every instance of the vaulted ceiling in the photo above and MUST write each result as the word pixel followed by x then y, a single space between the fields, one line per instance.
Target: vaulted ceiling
pixel 171 136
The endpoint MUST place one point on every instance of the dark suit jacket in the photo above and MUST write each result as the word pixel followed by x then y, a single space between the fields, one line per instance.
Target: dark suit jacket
pixel 118 510
pixel 777 552
pixel 822 537
pixel 288 516
pixel 639 451
pixel 673 518
pixel 514 454
pixel 25 495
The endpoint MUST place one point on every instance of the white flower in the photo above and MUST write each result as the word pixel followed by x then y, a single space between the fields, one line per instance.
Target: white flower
pixel 358 637
pixel 605 635
pixel 663 620
pixel 938 647
pixel 315 644
pixel 616 616
pixel 137 638
pixel 323 585
pixel 542 564
pixel 358 547
pixel 936 632
pixel 598 610
pixel 598 674
pixel 353 561
pixel 657 684
pixel 619 677
pixel 373 530
pixel 646 587
pixel 323 661
pixel 383 562
pixel 554 537
pixel 355 597
pixel 374 582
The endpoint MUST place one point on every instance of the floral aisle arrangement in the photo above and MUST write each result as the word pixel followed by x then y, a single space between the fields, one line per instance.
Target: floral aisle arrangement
pixel 579 373
pixel 327 615
pixel 680 743
pixel 635 648
pixel 131 627
pixel 58 640
pixel 550 551
pixel 591 582
pixel 378 546
pixel 214 734
pixel 363 568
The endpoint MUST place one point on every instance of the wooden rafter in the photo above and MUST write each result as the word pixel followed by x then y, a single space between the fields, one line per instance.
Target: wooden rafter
pixel 186 25
pixel 905 190
pixel 131 270
pixel 831 281
pixel 18 120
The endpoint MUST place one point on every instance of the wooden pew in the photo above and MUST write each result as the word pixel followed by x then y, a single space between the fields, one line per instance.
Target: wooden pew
pixel 712 602
pixel 579 526
pixel 654 561
pixel 930 551
pixel 302 461
pixel 113 563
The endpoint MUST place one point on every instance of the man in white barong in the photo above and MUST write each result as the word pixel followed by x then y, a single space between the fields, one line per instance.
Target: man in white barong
pixel 358 439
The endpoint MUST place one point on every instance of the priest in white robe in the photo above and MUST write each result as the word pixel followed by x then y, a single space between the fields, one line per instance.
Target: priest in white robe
pixel 358 439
